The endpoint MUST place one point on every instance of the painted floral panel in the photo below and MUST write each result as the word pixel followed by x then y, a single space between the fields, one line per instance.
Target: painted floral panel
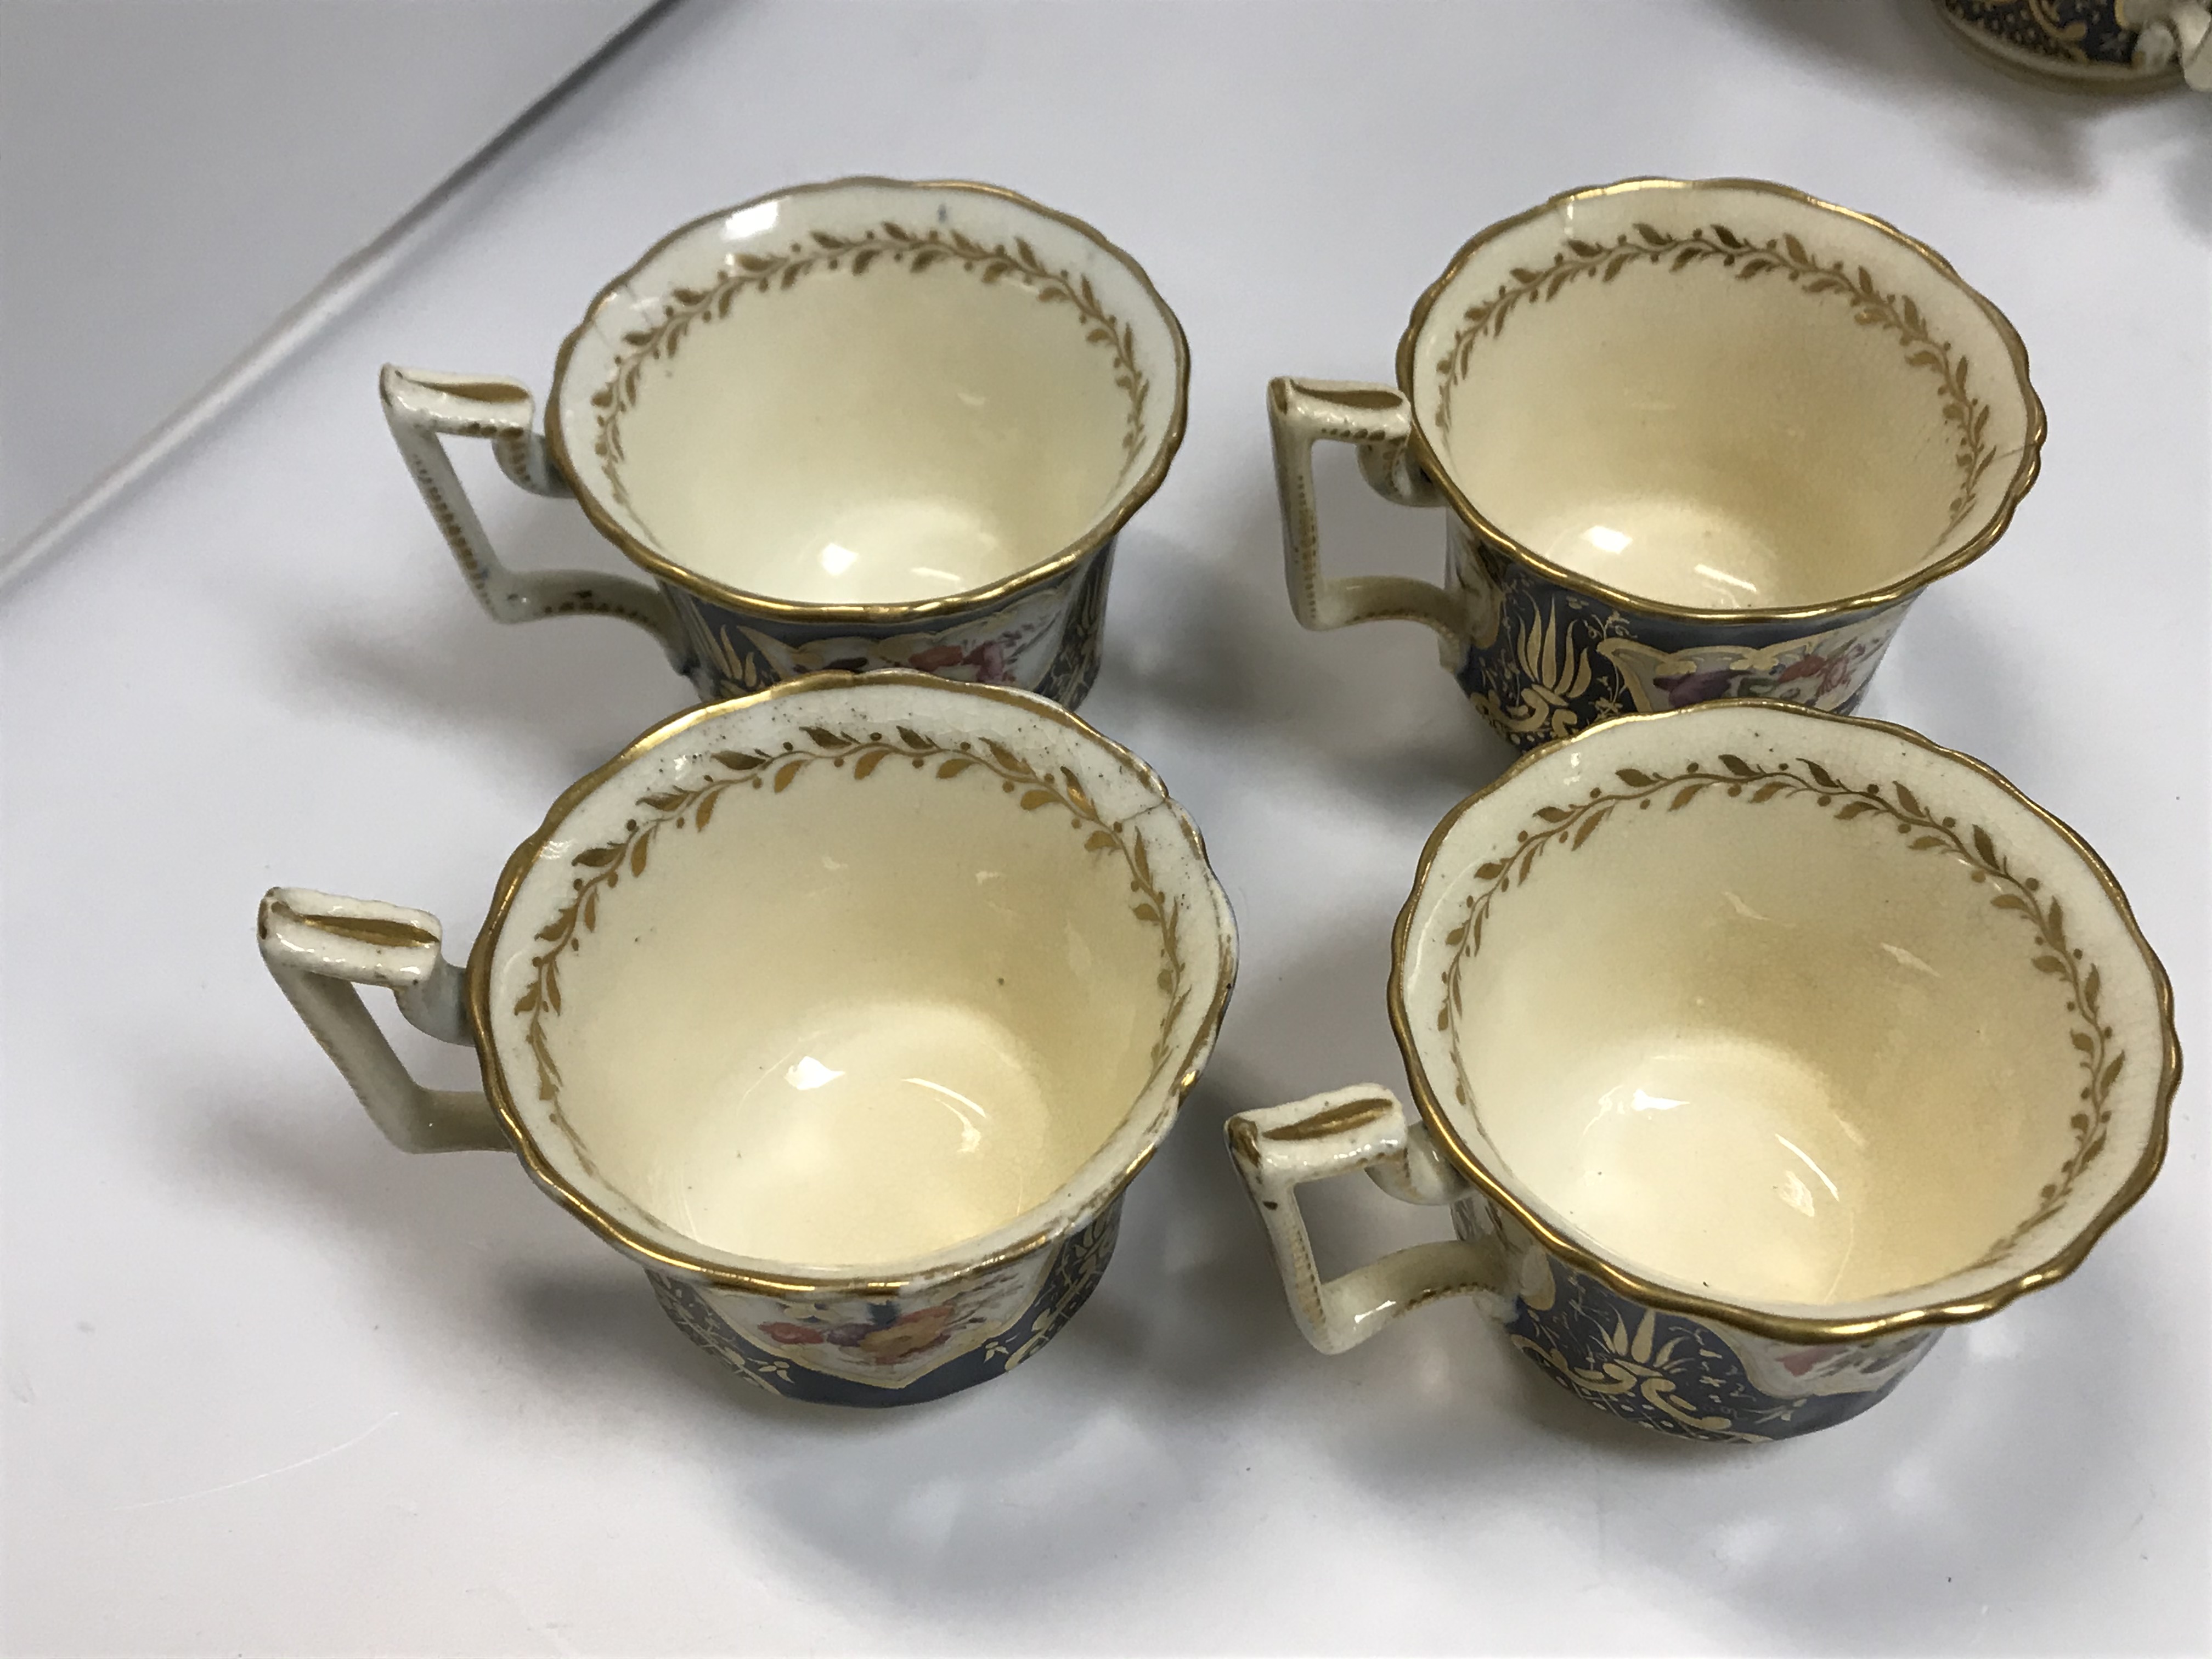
pixel 897 1353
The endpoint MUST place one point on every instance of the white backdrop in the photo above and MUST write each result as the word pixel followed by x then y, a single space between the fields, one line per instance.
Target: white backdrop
pixel 174 176
pixel 271 1388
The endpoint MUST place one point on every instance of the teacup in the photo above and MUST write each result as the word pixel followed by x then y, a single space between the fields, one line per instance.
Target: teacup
pixel 2092 43
pixel 1752 1046
pixel 849 1009
pixel 855 425
pixel 1698 440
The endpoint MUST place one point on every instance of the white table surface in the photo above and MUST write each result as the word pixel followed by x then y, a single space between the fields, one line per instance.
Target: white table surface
pixel 271 1388
pixel 139 138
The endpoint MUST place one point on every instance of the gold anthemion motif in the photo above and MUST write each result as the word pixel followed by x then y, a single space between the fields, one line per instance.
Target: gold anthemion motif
pixel 729 665
pixel 889 244
pixel 1552 653
pixel 1631 1366
pixel 604 865
pixel 1570 827
pixel 1784 256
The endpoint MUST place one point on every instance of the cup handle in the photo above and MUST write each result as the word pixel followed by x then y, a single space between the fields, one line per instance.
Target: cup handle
pixel 2178 32
pixel 1379 419
pixel 1279 1148
pixel 421 406
pixel 2191 24
pixel 318 947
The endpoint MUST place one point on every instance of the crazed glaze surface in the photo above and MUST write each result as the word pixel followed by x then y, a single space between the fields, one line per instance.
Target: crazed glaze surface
pixel 1756 1045
pixel 849 1009
pixel 1699 439
pixel 863 424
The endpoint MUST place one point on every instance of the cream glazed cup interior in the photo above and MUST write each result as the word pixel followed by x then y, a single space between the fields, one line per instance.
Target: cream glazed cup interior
pixel 1784 1016
pixel 870 392
pixel 1720 397
pixel 850 981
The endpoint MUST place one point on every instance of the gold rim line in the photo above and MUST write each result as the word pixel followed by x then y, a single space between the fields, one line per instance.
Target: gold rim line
pixel 1132 496
pixel 1788 1327
pixel 2024 472
pixel 1180 1077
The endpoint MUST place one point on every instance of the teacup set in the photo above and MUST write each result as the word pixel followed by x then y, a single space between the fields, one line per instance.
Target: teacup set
pixel 1751 1044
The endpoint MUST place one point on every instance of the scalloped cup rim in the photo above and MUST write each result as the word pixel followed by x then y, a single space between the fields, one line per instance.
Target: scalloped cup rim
pixel 1413 376
pixel 1130 495
pixel 1964 1294
pixel 1076 1202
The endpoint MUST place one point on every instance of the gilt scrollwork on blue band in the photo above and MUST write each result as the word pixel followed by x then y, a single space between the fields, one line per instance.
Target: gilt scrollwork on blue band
pixel 1043 638
pixel 893 1352
pixel 2067 31
pixel 1544 661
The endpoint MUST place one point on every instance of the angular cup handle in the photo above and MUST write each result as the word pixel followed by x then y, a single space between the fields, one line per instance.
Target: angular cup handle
pixel 422 408
pixel 2191 23
pixel 318 947
pixel 1376 418
pixel 2175 32
pixel 1278 1149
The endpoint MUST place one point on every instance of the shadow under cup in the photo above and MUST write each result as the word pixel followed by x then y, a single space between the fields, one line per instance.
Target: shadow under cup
pixel 851 1009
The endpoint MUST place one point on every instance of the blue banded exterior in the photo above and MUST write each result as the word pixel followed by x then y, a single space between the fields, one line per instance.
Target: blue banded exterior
pixel 1043 637
pixel 1682 1376
pixel 1078 1263
pixel 1542 660
pixel 2069 33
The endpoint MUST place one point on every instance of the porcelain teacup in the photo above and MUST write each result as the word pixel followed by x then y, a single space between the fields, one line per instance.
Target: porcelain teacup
pixel 1697 439
pixel 1753 1045
pixel 854 425
pixel 848 1009
pixel 2102 44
